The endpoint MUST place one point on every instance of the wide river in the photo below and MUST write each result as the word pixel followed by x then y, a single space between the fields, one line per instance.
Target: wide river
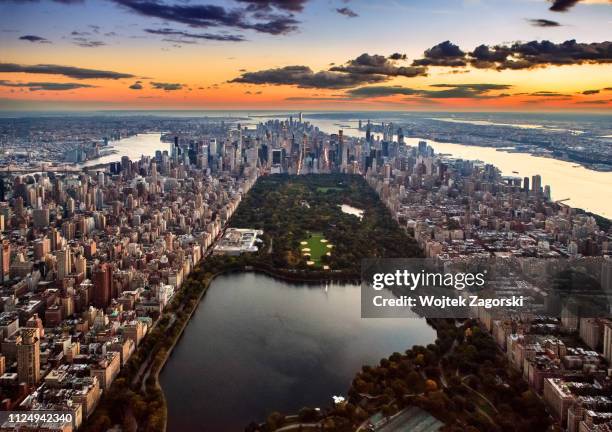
pixel 145 144
pixel 257 344
pixel 586 189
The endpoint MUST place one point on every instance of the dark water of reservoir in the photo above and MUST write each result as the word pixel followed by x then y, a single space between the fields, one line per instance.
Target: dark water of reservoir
pixel 256 344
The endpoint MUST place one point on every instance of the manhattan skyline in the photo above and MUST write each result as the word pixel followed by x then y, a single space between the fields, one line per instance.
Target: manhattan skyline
pixel 306 54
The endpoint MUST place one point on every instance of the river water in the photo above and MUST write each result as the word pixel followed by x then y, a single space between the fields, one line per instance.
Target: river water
pixel 256 344
pixel 586 189
pixel 134 147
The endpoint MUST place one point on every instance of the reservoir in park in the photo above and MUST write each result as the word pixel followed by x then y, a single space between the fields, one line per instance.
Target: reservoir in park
pixel 257 344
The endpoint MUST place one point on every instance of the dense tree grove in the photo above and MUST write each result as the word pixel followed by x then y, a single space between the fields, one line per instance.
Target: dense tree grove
pixel 463 380
pixel 287 208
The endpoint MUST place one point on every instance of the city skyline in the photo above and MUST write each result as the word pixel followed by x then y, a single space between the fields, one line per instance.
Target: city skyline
pixel 301 54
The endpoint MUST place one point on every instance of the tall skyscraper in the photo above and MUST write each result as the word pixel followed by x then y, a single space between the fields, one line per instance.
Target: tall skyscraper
pixel 5 260
pixel 422 148
pixel 103 277
pixel 28 357
pixel 64 263
pixel 536 184
pixel 126 165
pixel 101 178
pixel 343 151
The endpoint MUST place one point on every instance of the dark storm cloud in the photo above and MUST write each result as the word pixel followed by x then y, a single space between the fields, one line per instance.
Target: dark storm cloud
pixel 443 54
pixel 348 12
pixel 36 86
pixel 34 39
pixel 315 98
pixel 289 5
pixel 453 93
pixel 206 36
pixel 473 91
pixel 519 55
pixel 547 94
pixel 166 86
pixel 479 87
pixel 540 22
pixel 69 71
pixel 562 5
pixel 36 1
pixel 203 16
pixel 365 69
pixel 370 69
pixel 381 91
pixel 367 64
pixel 590 92
pixel 488 56
pixel 595 102
pixel 303 76
pixel 527 55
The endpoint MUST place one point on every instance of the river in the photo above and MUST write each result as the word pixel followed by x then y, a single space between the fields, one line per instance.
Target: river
pixel 586 189
pixel 134 147
pixel 257 344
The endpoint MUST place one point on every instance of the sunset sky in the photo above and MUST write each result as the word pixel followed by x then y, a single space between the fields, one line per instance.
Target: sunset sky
pixel 306 54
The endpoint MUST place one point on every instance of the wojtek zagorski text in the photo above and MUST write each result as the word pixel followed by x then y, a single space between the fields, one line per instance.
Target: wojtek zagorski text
pixel 448 302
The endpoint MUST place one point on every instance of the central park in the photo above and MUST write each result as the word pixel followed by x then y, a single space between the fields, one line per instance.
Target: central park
pixel 440 371
pixel 295 209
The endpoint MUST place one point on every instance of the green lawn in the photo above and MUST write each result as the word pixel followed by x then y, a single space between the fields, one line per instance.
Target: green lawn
pixel 317 247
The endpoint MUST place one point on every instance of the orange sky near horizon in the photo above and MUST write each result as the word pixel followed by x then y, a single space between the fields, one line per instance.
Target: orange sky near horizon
pixel 202 72
pixel 212 94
